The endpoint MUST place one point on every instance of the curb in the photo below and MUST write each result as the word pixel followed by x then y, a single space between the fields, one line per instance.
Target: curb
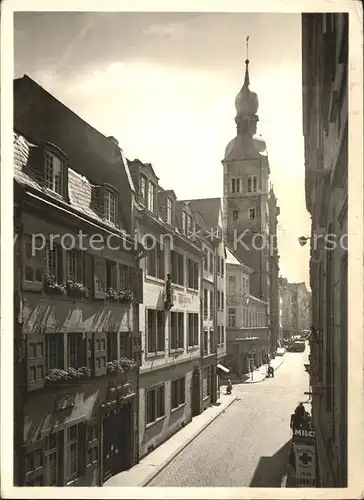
pixel 182 447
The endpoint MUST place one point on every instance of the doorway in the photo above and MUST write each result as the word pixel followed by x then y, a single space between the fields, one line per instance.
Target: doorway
pixel 195 396
pixel 117 440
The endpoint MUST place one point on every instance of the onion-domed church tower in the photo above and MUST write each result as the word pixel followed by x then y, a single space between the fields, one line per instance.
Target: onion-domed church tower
pixel 246 190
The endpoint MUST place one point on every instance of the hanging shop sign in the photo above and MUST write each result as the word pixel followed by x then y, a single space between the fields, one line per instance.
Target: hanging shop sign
pixel 305 462
pixel 304 434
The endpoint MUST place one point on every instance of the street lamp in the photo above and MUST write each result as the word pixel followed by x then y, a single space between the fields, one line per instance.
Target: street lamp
pixel 302 240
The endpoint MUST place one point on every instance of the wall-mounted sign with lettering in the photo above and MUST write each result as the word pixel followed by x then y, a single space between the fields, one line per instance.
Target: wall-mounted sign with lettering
pixel 304 433
pixel 181 298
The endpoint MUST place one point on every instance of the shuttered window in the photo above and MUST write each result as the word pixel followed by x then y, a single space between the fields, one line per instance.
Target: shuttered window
pixel 34 464
pixel 35 361
pixel 100 354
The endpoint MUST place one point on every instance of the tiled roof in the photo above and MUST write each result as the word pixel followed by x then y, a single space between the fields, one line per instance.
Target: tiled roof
pixel 79 188
pixel 39 116
pixel 209 208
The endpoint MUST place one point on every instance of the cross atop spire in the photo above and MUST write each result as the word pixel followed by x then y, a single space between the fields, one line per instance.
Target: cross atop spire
pixel 246 80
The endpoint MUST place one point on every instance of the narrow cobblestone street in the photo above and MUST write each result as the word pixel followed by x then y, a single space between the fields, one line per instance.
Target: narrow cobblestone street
pixel 248 444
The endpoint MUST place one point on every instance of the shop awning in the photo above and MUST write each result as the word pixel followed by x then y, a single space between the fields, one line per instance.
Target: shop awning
pixel 223 368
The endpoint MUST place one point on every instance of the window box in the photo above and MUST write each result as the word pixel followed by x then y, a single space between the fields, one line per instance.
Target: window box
pixel 121 296
pixel 76 289
pixel 69 375
pixel 123 365
pixel 51 286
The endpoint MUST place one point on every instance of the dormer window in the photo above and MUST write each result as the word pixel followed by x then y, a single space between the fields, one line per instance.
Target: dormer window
pixel 169 210
pixel 184 221
pixel 110 206
pixel 143 190
pixel 53 172
pixel 189 225
pixel 151 196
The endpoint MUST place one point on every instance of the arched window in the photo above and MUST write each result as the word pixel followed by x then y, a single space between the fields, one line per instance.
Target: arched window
pixel 252 184
pixel 233 185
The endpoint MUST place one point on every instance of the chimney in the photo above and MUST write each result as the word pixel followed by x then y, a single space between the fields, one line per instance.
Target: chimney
pixel 113 140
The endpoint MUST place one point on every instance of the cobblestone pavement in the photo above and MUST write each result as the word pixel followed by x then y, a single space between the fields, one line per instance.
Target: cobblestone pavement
pixel 248 444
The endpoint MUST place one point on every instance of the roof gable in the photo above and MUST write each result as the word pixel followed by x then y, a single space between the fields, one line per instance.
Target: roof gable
pixel 147 169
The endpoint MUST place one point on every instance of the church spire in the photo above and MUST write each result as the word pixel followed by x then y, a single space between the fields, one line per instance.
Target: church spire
pixel 246 102
pixel 246 79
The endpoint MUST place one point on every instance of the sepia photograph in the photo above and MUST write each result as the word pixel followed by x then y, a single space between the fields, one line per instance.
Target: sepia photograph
pixel 181 250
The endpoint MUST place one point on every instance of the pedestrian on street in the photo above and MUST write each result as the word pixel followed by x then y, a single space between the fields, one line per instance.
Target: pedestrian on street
pixel 299 415
pixel 229 387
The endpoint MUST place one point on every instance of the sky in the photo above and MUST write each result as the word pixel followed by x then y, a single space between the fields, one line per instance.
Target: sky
pixel 164 85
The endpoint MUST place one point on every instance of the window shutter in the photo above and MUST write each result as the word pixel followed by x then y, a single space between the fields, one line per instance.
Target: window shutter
pixel 34 463
pixel 59 252
pixel 87 272
pixel 99 277
pixel 136 284
pixel 100 352
pixel 35 361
